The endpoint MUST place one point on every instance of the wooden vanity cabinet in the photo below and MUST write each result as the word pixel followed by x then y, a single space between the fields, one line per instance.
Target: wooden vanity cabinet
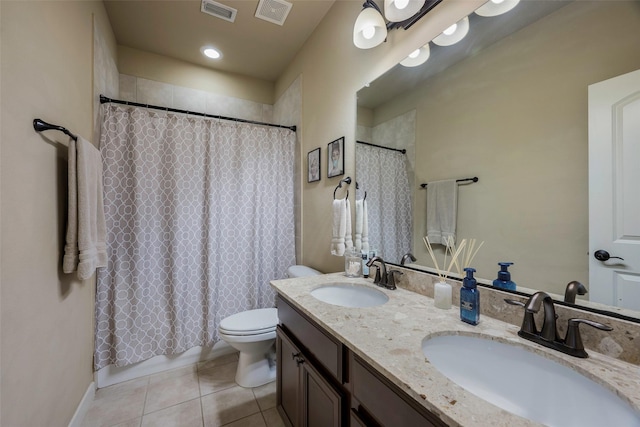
pixel 309 372
pixel 375 401
pixel 321 383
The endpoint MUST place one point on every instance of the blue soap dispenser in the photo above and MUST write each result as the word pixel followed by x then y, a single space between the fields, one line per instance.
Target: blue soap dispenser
pixel 469 298
pixel 504 278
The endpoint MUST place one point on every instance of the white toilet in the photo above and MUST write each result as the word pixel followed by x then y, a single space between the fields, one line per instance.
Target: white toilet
pixel 253 334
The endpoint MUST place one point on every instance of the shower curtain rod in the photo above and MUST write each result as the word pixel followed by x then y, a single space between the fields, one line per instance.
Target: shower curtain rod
pixel 401 150
pixel 104 100
pixel 474 179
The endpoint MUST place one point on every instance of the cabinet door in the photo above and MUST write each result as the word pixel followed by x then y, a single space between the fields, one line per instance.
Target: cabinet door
pixel 288 379
pixel 322 404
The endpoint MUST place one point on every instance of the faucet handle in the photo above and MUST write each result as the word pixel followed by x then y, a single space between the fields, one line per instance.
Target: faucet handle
pixel 528 322
pixel 391 281
pixel 573 340
pixel 513 302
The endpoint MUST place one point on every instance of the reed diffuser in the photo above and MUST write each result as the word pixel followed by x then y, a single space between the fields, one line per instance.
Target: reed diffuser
pixel 461 257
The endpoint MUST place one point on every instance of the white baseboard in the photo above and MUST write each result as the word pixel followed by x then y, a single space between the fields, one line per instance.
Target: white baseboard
pixel 110 375
pixel 84 406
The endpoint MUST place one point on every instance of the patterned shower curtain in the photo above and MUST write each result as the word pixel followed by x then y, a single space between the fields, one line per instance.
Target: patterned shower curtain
pixel 382 174
pixel 200 217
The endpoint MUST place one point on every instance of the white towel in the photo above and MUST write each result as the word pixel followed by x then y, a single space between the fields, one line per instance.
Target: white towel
pixel 348 239
pixel 365 227
pixel 85 248
pixel 442 211
pixel 339 227
pixel 357 242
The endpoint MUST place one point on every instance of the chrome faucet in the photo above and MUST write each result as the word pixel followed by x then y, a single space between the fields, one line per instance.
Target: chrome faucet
pixel 407 256
pixel 548 337
pixel 574 288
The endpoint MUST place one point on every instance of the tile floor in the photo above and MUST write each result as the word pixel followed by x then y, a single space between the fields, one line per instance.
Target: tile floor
pixel 203 394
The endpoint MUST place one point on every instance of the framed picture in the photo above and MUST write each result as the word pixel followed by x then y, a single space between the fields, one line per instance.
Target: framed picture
pixel 313 165
pixel 335 158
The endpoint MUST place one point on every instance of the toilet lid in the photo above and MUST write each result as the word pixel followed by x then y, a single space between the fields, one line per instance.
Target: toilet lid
pixel 252 321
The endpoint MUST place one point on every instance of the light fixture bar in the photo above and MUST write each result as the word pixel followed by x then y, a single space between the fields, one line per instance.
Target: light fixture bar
pixel 407 23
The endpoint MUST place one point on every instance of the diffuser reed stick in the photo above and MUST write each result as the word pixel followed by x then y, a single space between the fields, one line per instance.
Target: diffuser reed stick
pixel 451 250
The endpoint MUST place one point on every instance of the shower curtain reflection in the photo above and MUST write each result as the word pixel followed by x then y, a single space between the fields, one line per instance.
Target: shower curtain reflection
pixel 382 173
pixel 200 217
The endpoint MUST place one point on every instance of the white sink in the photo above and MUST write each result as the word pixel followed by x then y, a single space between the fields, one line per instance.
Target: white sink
pixel 349 295
pixel 526 384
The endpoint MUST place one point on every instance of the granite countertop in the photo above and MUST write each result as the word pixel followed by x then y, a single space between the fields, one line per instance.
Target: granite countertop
pixel 389 337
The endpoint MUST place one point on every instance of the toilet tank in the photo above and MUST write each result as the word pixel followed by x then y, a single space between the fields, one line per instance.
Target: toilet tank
pixel 301 271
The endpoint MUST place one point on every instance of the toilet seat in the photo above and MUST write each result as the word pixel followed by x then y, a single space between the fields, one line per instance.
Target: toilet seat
pixel 252 322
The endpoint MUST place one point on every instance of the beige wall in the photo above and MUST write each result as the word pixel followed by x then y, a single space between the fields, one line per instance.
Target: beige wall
pixel 160 68
pixel 333 70
pixel 47 316
pixel 516 116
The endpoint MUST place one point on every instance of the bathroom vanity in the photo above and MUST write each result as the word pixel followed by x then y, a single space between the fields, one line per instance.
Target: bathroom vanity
pixel 344 366
pixel 320 380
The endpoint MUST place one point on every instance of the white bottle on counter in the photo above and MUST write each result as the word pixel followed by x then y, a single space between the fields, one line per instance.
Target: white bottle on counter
pixel 442 295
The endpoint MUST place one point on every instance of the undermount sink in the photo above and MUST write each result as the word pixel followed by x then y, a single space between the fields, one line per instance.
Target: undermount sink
pixel 349 295
pixel 525 383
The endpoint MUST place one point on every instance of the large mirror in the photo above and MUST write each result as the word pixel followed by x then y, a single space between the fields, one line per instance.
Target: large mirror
pixel 508 104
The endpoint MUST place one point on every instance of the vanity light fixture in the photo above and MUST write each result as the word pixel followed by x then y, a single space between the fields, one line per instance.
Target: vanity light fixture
pixel 211 52
pixel 400 10
pixel 417 57
pixel 371 25
pixel 370 28
pixel 454 33
pixel 496 7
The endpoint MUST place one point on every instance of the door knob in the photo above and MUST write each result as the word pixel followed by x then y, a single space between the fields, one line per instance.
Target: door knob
pixel 602 255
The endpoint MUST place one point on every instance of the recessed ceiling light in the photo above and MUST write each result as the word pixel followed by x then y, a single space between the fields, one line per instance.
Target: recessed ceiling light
pixel 210 52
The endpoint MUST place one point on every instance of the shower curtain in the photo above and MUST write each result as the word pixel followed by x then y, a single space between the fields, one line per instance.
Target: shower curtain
pixel 199 218
pixel 382 174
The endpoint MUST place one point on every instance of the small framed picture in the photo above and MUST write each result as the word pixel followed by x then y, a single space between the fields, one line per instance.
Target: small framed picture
pixel 313 165
pixel 335 158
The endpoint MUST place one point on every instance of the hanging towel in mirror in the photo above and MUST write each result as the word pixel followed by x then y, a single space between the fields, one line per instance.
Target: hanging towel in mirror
pixel 85 248
pixel 357 237
pixel 365 227
pixel 442 211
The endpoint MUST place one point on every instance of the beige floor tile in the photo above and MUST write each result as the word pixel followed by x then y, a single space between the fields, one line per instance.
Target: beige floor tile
pixel 131 423
pixel 272 418
pixel 117 403
pixel 222 360
pixel 166 392
pixel 254 420
pixel 217 378
pixel 228 405
pixel 266 395
pixel 186 414
pixel 173 373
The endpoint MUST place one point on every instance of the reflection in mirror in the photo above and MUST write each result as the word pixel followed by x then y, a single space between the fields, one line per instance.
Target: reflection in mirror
pixel 383 176
pixel 509 104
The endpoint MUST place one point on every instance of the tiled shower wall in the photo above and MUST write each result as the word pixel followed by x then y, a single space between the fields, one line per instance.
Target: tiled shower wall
pixel 144 91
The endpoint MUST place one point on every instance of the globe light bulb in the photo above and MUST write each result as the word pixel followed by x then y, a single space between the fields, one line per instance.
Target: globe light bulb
pixel 452 29
pixel 369 32
pixel 414 54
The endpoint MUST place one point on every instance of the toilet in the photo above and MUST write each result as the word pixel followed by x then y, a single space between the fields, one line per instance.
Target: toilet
pixel 253 334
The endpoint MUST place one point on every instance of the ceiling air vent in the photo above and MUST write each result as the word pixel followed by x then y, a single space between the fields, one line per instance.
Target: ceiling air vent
pixel 218 10
pixel 274 11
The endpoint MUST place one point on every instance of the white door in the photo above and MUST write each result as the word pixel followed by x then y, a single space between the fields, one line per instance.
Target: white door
pixel 614 191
